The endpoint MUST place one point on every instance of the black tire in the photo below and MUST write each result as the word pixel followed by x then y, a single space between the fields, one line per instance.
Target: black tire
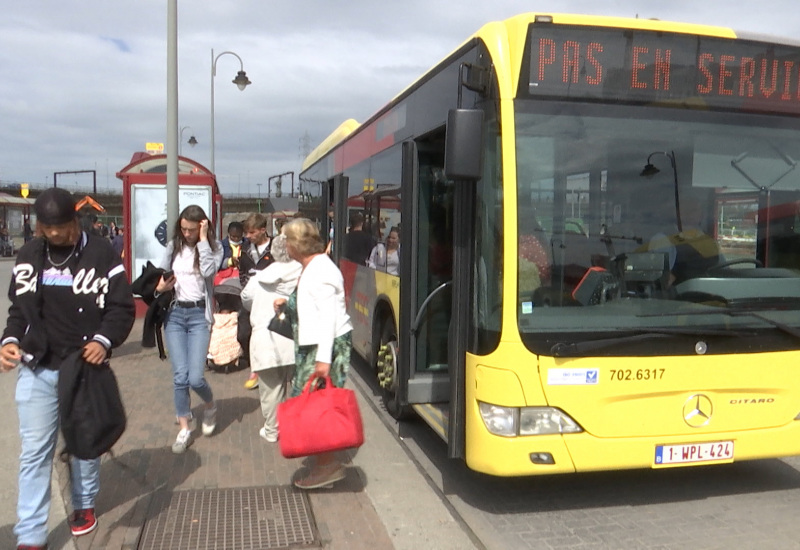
pixel 386 372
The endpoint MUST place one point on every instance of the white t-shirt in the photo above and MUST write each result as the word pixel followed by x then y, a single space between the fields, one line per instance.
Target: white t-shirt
pixel 189 286
pixel 383 259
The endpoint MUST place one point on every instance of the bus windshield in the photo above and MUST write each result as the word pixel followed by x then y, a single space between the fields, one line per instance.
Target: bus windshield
pixel 640 219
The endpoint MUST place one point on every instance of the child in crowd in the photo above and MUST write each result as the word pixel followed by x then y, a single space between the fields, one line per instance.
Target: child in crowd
pixel 223 347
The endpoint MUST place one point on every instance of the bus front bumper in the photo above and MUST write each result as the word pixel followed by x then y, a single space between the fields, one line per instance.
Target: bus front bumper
pixel 583 452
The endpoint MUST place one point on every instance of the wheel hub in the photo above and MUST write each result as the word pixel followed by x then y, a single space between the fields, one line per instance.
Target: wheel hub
pixel 387 366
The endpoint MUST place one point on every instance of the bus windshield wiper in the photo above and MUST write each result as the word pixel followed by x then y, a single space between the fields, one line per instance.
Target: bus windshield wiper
pixel 568 349
pixel 792 331
pixel 777 324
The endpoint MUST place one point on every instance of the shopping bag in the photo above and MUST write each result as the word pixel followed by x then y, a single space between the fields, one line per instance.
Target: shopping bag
pixel 319 421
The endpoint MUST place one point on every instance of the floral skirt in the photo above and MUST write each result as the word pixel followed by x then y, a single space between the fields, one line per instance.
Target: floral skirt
pixel 306 358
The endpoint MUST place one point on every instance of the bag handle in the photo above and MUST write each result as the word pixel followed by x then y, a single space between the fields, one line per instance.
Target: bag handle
pixel 326 380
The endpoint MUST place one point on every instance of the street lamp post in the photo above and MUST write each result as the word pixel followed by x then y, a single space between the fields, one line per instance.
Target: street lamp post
pixel 172 115
pixel 191 141
pixel 650 170
pixel 241 81
pixel 259 197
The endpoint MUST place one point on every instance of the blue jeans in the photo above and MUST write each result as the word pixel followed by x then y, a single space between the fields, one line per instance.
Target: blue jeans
pixel 187 333
pixel 37 406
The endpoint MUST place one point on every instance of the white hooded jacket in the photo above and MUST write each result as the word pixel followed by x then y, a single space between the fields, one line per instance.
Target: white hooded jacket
pixel 278 280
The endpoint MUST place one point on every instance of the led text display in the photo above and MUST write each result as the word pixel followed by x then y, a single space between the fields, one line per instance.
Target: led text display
pixel 654 67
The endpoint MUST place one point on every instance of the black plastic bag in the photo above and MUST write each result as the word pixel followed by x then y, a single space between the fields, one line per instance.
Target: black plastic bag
pixel 280 324
pixel 90 407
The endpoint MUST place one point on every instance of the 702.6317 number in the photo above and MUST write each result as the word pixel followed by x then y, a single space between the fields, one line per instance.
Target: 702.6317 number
pixel 629 375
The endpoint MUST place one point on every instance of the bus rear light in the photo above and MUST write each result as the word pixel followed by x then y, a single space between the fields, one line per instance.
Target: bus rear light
pixel 515 421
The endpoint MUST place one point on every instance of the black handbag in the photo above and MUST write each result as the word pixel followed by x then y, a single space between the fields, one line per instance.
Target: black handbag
pixel 280 324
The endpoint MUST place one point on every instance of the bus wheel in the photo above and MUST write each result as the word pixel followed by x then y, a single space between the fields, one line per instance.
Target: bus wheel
pixel 387 373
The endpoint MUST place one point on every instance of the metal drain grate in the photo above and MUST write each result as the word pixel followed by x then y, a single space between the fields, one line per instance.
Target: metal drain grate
pixel 257 518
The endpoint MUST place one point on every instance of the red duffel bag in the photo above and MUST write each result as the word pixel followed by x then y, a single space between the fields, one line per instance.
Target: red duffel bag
pixel 319 420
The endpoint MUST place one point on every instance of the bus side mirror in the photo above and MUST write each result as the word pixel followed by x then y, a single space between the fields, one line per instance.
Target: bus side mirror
pixel 463 154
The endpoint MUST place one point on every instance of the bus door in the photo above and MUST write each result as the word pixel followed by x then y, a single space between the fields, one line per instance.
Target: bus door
pixel 438 300
pixel 425 301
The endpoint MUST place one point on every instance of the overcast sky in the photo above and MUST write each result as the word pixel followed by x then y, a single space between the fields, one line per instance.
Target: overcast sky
pixel 83 82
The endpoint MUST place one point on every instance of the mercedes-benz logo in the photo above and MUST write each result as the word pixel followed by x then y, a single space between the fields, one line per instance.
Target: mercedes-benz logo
pixel 697 410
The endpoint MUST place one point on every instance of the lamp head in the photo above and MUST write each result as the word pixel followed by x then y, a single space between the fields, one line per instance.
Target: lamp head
pixel 241 80
pixel 192 141
pixel 649 170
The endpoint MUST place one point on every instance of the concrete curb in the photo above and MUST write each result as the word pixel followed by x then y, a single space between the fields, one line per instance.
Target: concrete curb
pixel 407 502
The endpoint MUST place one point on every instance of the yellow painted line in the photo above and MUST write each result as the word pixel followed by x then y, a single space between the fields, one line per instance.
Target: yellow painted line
pixel 433 416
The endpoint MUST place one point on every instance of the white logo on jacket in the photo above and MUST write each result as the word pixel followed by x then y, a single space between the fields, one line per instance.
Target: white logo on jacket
pixel 24 278
pixel 84 282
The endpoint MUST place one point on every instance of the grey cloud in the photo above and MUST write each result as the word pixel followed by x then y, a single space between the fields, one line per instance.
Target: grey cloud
pixel 85 85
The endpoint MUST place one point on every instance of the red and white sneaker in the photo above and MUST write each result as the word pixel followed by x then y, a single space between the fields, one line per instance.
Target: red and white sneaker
pixel 82 522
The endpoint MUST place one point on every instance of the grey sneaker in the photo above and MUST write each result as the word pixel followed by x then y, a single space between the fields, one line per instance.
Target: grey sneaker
pixel 182 442
pixel 210 420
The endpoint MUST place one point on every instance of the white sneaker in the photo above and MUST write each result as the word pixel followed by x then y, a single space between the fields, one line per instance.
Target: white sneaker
pixel 182 442
pixel 210 420
pixel 269 438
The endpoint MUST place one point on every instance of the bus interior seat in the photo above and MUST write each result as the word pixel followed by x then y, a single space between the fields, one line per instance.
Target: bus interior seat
pixel 597 286
pixel 573 254
pixel 644 274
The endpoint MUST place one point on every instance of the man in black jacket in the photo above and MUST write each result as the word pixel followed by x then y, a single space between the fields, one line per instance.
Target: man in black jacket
pixel 358 244
pixel 68 292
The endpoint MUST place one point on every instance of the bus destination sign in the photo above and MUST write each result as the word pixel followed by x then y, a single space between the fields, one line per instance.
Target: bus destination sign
pixel 621 65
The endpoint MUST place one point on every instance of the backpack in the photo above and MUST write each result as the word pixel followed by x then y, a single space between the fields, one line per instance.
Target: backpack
pixel 90 407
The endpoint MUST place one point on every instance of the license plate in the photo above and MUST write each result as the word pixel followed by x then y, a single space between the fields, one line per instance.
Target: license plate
pixel 690 453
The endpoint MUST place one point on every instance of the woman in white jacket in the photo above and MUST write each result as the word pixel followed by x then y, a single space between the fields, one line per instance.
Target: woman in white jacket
pixel 323 333
pixel 271 355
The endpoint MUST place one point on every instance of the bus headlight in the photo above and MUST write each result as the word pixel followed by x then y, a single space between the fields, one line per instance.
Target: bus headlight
pixel 514 421
pixel 546 420
pixel 499 420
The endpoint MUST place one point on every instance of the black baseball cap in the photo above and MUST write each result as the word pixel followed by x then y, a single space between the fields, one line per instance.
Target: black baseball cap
pixel 54 206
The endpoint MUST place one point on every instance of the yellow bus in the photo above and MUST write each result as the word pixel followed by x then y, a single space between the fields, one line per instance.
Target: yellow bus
pixel 599 258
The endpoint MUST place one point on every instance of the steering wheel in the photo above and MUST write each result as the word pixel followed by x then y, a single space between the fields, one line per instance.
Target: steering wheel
pixel 577 228
pixel 737 261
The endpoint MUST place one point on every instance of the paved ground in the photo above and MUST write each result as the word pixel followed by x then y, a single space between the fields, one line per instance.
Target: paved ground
pixel 385 501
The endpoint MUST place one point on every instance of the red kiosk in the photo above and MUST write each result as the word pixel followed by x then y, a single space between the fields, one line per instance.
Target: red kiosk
pixel 144 205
